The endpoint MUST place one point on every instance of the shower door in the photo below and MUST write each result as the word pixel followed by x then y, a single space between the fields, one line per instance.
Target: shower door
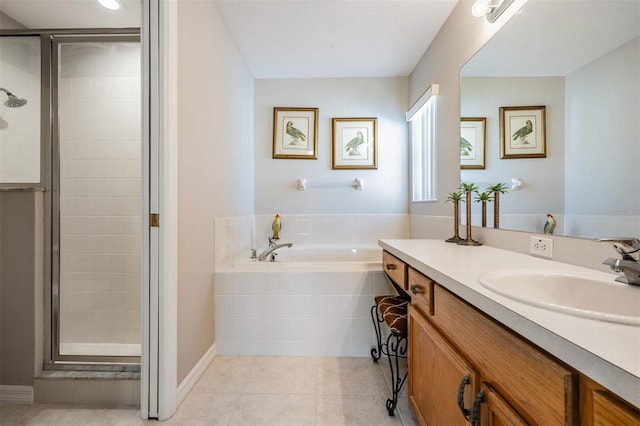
pixel 97 199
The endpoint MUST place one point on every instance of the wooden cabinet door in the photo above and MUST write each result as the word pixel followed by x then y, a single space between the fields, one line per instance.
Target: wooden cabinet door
pixel 436 371
pixel 607 411
pixel 495 411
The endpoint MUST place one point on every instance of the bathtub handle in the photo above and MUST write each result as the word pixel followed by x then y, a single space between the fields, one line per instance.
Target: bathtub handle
pixel 416 290
pixel 391 266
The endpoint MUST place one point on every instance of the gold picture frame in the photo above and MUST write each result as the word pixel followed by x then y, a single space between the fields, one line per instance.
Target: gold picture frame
pixel 523 132
pixel 295 133
pixel 354 143
pixel 473 147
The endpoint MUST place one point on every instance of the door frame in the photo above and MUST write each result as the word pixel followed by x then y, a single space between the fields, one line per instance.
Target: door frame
pixel 159 323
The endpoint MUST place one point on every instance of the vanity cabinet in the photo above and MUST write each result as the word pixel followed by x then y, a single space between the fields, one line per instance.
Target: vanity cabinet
pixel 439 377
pixel 600 407
pixel 467 368
pixel 519 383
pixel 496 411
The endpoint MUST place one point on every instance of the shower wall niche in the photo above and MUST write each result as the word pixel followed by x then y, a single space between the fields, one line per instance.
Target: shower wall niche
pixel 20 126
pixel 100 198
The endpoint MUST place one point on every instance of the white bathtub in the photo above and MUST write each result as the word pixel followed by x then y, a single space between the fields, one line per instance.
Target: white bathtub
pixel 313 301
pixel 316 258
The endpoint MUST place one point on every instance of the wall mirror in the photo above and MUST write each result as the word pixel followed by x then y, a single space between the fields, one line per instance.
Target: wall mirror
pixel 580 61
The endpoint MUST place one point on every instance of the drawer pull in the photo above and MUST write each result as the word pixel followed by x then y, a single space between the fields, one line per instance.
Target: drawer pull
pixel 416 290
pixel 465 381
pixel 391 267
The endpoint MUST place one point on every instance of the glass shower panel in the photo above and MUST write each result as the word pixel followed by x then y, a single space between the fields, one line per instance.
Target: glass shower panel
pixel 19 109
pixel 100 161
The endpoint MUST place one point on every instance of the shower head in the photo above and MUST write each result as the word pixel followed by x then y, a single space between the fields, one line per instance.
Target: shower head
pixel 13 101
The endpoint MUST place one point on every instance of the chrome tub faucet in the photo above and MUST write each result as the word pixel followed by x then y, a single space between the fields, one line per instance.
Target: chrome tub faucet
pixel 270 251
pixel 629 264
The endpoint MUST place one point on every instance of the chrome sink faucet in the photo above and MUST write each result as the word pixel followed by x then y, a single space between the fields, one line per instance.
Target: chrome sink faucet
pixel 270 251
pixel 629 264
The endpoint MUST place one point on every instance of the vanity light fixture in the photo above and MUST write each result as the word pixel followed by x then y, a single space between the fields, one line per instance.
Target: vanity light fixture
pixel 111 4
pixel 492 9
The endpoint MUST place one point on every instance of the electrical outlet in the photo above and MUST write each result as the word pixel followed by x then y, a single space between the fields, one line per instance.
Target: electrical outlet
pixel 539 246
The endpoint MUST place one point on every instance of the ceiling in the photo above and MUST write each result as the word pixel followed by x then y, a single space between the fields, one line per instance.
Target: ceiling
pixel 568 35
pixel 285 39
pixel 311 38
pixel 375 38
pixel 55 14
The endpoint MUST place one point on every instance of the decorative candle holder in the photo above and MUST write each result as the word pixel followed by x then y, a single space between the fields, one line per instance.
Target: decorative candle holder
pixel 497 189
pixel 455 198
pixel 469 241
pixel 483 197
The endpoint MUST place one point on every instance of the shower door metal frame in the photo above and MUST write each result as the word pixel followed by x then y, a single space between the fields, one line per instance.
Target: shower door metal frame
pixel 53 358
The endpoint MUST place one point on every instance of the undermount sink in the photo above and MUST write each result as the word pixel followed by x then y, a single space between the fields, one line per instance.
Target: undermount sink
pixel 581 295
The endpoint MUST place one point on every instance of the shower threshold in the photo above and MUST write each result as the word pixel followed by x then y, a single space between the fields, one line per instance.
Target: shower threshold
pixel 100 349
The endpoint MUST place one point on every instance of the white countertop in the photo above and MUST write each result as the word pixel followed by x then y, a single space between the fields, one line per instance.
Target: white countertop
pixel 609 353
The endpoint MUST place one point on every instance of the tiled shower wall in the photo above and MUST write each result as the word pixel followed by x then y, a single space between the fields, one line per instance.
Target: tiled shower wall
pixel 20 127
pixel 100 207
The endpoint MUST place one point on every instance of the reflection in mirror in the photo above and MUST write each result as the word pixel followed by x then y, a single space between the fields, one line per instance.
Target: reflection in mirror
pixel 580 61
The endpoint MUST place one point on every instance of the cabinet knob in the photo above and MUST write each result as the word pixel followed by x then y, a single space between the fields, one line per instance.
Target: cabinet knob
pixel 416 290
pixel 390 266
pixel 465 381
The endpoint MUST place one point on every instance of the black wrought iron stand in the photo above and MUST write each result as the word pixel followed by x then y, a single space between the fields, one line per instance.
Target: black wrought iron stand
pixel 391 310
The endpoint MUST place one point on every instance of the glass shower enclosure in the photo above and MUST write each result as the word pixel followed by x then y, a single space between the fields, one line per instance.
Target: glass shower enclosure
pixel 97 198
pixel 71 126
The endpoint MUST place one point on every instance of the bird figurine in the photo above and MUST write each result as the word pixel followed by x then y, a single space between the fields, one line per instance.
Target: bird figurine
pixel 523 131
pixel 296 134
pixel 276 226
pixel 353 146
pixel 550 224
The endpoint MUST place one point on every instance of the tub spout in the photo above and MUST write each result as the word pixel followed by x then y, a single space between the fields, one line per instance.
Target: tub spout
pixel 271 250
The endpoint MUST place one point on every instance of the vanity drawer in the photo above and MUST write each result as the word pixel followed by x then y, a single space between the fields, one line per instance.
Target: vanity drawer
pixel 395 268
pixel 420 288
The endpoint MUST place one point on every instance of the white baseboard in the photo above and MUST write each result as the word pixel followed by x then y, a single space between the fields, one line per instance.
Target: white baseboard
pixel 16 394
pixel 192 378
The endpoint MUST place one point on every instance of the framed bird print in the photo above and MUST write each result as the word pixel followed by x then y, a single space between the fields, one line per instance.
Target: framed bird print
pixel 354 143
pixel 295 133
pixel 473 133
pixel 522 132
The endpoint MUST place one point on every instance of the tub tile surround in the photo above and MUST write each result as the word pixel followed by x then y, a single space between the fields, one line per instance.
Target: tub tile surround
pixel 297 313
pixel 310 313
pixel 235 236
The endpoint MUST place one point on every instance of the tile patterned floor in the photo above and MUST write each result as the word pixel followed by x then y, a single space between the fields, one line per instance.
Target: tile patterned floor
pixel 255 391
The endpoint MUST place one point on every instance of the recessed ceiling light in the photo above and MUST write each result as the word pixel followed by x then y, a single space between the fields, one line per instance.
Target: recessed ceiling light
pixel 111 4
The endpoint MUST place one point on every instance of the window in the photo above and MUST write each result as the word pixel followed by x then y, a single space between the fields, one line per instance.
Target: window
pixel 422 117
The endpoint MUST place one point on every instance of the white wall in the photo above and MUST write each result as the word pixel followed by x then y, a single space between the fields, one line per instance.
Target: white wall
pixel 215 169
pixel 385 189
pixel 604 124
pixel 458 39
pixel 483 97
